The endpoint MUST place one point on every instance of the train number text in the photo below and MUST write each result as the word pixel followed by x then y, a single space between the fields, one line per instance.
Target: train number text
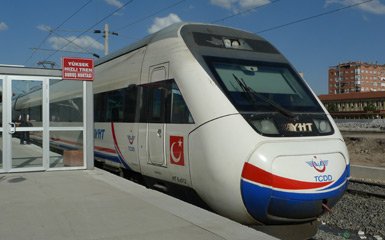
pixel 179 180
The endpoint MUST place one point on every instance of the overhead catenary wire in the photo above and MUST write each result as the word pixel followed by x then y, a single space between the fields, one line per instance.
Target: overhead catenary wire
pixel 91 27
pixel 244 11
pixel 151 15
pixel 218 20
pixel 56 28
pixel 312 17
pixel 148 16
pixel 52 50
pixel 70 30
pixel 77 45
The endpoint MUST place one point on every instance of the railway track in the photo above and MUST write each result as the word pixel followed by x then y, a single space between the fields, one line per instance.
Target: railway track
pixel 360 214
pixel 366 188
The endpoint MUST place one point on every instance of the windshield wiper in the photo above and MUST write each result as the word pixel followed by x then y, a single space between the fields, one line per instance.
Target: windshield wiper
pixel 251 93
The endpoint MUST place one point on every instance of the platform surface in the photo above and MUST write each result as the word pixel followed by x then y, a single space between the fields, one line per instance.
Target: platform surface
pixel 368 173
pixel 94 204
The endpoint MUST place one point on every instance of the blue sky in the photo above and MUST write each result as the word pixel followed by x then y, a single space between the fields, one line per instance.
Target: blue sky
pixel 31 31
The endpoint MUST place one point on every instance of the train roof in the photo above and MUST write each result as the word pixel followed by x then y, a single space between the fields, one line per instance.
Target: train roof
pixel 173 30
pixel 170 31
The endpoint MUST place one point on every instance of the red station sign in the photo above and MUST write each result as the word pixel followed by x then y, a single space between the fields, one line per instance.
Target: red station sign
pixel 78 69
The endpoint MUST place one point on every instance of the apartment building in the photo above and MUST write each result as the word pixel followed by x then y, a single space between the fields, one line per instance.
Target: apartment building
pixel 356 77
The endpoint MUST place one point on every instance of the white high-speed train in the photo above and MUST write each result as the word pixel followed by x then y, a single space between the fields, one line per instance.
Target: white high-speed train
pixel 221 112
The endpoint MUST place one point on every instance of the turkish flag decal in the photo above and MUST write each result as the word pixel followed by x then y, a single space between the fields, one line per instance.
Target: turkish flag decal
pixel 176 150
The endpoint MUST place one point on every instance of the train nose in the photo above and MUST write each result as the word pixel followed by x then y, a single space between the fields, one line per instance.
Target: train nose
pixel 280 184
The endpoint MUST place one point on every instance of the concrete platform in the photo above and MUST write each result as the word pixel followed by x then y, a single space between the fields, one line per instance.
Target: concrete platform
pixel 94 204
pixel 365 172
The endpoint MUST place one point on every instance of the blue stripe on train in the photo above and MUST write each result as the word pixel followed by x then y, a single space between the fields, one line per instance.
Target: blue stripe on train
pixel 258 199
pixel 112 158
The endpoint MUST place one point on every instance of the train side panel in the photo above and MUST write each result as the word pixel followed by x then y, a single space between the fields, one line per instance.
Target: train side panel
pixel 163 145
pixel 119 72
pixel 116 142
pixel 116 145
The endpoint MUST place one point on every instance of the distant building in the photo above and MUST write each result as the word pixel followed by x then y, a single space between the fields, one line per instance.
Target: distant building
pixel 356 77
pixel 355 104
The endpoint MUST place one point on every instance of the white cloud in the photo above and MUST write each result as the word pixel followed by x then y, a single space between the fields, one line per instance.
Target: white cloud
pixel 228 4
pixel 239 5
pixel 79 44
pixel 3 26
pixel 246 4
pixel 115 3
pixel 160 23
pixel 44 28
pixel 375 6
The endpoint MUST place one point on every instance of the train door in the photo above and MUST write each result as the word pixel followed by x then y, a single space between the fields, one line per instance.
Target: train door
pixel 156 115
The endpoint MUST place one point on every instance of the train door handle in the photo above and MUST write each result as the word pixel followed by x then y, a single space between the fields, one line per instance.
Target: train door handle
pixel 159 133
pixel 13 128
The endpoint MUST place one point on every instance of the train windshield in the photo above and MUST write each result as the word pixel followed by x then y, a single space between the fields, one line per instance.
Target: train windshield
pixel 259 87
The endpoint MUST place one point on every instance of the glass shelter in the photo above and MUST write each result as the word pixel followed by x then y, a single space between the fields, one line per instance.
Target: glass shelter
pixel 46 122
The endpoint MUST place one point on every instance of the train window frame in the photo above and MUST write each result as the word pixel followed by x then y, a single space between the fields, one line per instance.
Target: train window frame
pixel 100 102
pixel 157 102
pixel 140 105
pixel 183 114
pixel 114 112
pixel 126 112
pixel 131 103
pixel 210 61
pixel 168 89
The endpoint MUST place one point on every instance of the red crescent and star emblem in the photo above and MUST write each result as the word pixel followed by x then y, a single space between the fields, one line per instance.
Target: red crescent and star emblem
pixel 176 150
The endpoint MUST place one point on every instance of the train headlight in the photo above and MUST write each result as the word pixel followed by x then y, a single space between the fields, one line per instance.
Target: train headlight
pixel 265 126
pixel 232 43
pixel 323 125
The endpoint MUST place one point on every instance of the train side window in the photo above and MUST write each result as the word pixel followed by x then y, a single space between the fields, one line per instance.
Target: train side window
pixel 100 108
pixel 130 103
pixel 179 110
pixel 143 92
pixel 115 106
pixel 157 104
pixel 162 102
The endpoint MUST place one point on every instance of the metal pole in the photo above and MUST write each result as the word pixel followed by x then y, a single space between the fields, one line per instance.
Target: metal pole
pixel 106 33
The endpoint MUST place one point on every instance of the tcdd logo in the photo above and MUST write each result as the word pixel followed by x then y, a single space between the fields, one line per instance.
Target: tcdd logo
pixel 323 178
pixel 319 166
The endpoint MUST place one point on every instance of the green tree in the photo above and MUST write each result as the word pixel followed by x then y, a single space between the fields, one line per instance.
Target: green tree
pixel 332 107
pixel 370 108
